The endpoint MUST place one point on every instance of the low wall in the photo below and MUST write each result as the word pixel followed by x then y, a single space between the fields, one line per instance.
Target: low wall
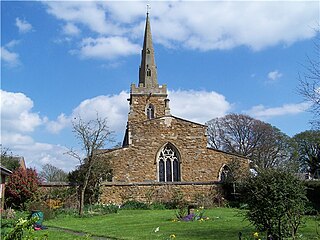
pixel 148 192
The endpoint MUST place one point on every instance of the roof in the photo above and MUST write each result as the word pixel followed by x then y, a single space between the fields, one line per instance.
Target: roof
pixel 5 171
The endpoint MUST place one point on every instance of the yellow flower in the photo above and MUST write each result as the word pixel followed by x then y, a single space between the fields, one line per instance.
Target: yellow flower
pixel 172 236
pixel 256 235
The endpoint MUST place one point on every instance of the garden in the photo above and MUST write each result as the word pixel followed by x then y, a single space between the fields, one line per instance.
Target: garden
pixel 125 223
pixel 273 205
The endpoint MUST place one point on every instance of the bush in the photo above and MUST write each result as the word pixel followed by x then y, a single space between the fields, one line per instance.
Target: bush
pixel 134 205
pixel 21 187
pixel 101 209
pixel 276 202
pixel 313 195
pixel 48 213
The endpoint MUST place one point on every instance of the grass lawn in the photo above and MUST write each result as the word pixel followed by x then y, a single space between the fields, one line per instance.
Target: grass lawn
pixel 223 224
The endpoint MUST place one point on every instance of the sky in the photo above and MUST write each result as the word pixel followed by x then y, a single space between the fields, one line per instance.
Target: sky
pixel 63 59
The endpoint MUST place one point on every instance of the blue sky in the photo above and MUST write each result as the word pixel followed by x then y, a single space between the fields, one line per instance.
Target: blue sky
pixel 64 59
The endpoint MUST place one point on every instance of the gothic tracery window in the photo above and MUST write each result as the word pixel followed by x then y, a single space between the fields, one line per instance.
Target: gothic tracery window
pixel 169 164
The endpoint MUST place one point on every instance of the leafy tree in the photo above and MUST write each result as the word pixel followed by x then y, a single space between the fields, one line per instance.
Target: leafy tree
pixel 101 171
pixel 92 135
pixel 307 145
pixel 276 202
pixel 264 144
pixel 7 159
pixel 310 81
pixel 21 187
pixel 50 173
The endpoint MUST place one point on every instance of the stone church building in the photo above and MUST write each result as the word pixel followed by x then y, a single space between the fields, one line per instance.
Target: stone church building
pixel 161 153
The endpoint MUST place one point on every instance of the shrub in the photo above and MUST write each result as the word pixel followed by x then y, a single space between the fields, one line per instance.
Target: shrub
pixel 101 209
pixel 22 187
pixel 313 194
pixel 276 202
pixel 134 205
pixel 48 213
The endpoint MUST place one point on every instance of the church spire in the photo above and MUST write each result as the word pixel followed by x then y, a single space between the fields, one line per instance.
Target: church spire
pixel 148 69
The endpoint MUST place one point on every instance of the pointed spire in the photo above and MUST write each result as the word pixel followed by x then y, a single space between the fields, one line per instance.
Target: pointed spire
pixel 148 68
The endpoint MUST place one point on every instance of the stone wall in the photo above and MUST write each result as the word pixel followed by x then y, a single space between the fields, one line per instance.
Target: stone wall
pixel 138 161
pixel 118 193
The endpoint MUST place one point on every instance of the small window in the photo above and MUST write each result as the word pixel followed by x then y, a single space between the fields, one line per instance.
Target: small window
pixel 149 72
pixel 148 51
pixel 225 174
pixel 150 111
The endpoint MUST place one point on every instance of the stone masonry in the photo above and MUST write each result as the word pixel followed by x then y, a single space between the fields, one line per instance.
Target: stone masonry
pixel 159 147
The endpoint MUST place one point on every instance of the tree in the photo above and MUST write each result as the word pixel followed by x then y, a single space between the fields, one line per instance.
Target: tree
pixel 101 171
pixel 92 135
pixel 21 187
pixel 310 82
pixel 307 145
pixel 7 159
pixel 50 173
pixel 264 144
pixel 276 202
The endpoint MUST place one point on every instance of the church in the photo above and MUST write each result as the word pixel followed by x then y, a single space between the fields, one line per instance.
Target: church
pixel 162 154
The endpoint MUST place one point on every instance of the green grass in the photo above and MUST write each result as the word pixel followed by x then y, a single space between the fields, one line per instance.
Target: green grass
pixel 224 224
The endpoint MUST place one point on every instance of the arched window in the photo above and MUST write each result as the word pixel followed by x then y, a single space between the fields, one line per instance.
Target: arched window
pixel 168 164
pixel 150 111
pixel 149 72
pixel 225 174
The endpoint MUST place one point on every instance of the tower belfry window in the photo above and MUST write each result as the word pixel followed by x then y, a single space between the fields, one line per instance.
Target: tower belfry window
pixel 150 111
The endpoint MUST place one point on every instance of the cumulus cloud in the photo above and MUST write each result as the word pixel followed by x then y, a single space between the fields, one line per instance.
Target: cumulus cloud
pixel 16 112
pixel 262 112
pixel 198 106
pixel 113 107
pixel 23 25
pixel 71 29
pixel 107 48
pixel 18 123
pixel 11 59
pixel 274 75
pixel 204 26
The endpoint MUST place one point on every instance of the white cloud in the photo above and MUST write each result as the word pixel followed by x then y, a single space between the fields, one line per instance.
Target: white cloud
pixel 71 29
pixel 274 75
pixel 203 25
pixel 18 123
pixel 90 14
pixel 107 48
pixel 9 58
pixel 23 25
pixel 56 126
pixel 16 112
pixel 113 107
pixel 262 112
pixel 198 106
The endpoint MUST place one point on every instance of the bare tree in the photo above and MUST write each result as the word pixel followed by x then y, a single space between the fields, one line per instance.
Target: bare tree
pixel 50 173
pixel 92 135
pixel 264 144
pixel 309 86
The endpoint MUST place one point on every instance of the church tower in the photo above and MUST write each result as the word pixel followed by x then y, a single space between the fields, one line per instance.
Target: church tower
pixel 148 100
